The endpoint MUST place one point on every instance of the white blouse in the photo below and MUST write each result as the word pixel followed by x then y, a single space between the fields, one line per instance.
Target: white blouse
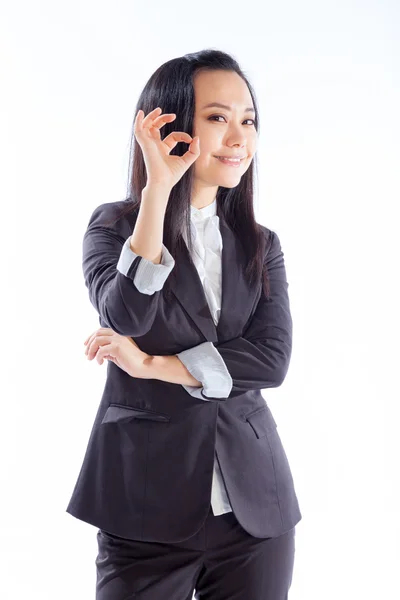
pixel 207 246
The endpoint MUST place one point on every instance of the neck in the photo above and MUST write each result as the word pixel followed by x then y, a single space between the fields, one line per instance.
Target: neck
pixel 203 196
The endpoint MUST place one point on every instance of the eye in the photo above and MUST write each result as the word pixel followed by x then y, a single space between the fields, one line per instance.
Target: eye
pixel 215 117
pixel 220 116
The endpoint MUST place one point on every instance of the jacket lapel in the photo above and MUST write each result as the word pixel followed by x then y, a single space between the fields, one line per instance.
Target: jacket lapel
pixel 237 298
pixel 188 289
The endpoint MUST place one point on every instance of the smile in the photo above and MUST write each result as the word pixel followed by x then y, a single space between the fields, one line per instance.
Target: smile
pixel 231 162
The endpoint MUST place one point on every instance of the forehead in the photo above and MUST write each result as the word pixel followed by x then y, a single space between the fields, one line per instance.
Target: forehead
pixel 226 87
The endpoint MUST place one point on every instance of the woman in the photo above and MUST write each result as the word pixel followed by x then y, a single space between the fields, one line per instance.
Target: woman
pixel 185 475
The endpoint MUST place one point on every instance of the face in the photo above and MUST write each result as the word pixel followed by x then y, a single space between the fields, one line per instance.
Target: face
pixel 224 132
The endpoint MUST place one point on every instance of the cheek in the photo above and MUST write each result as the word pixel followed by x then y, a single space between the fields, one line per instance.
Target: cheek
pixel 206 155
pixel 210 140
pixel 253 143
pixel 202 164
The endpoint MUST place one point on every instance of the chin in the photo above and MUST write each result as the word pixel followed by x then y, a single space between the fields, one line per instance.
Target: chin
pixel 230 183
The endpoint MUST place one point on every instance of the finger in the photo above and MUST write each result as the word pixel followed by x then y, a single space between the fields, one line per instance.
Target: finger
pixel 140 113
pixel 89 341
pixel 193 153
pixel 162 120
pixel 154 128
pixel 146 121
pixel 103 330
pixel 138 124
pixel 138 120
pixel 141 122
pixel 99 341
pixel 104 353
pixel 173 138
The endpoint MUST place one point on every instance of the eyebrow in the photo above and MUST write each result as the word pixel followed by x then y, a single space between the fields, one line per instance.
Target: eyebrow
pixel 219 105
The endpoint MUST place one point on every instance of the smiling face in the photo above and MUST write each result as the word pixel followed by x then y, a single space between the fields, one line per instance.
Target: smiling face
pixel 224 131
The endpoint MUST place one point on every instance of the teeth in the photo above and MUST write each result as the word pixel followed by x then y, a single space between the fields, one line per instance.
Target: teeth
pixel 230 159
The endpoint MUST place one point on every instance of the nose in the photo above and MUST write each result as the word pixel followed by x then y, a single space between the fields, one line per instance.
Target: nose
pixel 237 139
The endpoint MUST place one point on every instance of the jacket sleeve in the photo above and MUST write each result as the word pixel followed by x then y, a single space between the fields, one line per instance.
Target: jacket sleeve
pixel 259 358
pixel 123 287
pixel 206 364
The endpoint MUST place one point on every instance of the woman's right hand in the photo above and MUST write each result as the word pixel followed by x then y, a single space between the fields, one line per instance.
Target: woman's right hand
pixel 161 167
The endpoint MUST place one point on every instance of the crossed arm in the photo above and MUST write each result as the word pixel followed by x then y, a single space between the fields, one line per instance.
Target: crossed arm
pixel 210 371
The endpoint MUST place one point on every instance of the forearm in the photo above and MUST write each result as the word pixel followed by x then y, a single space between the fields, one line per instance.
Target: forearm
pixel 170 369
pixel 147 236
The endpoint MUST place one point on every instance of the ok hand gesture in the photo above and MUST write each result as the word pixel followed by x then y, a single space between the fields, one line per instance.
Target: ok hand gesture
pixel 161 167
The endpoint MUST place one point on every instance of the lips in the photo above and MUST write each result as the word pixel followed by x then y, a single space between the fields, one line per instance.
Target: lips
pixel 230 162
pixel 231 157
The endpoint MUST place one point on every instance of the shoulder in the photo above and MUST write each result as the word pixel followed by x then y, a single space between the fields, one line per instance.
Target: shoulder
pixel 270 237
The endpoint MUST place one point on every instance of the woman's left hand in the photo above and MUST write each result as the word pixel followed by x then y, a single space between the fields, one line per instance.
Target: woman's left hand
pixel 105 344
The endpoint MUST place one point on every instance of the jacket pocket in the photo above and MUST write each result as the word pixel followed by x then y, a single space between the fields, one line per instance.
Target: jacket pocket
pixel 119 412
pixel 262 421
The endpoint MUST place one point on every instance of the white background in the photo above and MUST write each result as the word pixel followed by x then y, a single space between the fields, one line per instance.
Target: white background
pixel 326 75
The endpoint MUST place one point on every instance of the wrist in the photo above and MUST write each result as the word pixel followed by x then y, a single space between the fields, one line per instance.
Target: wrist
pixel 156 366
pixel 170 369
pixel 148 367
pixel 156 191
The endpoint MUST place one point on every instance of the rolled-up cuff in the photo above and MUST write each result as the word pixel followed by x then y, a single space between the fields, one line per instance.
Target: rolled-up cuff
pixel 149 277
pixel 206 364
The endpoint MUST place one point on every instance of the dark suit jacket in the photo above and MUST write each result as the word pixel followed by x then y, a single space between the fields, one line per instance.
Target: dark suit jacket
pixel 148 467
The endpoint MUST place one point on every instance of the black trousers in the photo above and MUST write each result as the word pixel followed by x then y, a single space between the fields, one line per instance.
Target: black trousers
pixel 220 562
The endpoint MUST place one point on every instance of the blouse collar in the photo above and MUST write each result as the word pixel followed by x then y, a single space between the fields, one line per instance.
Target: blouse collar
pixel 199 214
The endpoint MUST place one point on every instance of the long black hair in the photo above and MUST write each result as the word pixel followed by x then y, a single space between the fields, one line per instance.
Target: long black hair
pixel 171 88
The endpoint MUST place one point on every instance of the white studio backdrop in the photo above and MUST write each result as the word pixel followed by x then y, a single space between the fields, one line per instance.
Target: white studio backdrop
pixel 326 75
